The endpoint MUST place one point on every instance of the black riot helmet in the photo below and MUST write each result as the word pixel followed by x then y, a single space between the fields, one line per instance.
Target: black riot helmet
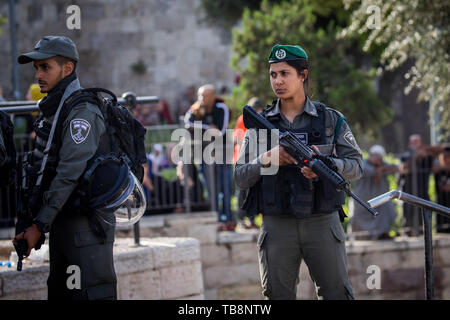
pixel 110 188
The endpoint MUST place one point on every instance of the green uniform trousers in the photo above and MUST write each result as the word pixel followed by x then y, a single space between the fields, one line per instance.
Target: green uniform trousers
pixel 73 243
pixel 320 240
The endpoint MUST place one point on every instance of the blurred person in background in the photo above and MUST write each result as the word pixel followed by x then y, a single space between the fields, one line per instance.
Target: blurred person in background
pixel 23 123
pixel 147 114
pixel 418 158
pixel 210 112
pixel 34 93
pixel 2 99
pixel 158 158
pixel 373 183
pixel 162 107
pixel 441 172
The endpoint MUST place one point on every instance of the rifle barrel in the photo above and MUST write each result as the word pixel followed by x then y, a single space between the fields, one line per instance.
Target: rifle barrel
pixel 361 202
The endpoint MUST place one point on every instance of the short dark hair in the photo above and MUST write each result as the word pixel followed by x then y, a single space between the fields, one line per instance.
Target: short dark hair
pixel 62 60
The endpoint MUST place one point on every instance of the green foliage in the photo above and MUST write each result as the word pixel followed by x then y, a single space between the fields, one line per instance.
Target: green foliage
pixel 2 21
pixel 410 29
pixel 139 67
pixel 338 79
pixel 169 174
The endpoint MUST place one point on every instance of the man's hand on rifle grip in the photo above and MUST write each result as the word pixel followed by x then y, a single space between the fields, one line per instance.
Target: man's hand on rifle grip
pixel 31 235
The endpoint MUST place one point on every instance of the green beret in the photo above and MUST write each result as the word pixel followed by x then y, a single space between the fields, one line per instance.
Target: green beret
pixel 282 53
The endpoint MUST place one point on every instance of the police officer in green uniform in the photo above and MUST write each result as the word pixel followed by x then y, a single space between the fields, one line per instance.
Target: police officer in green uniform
pixel 301 213
pixel 75 246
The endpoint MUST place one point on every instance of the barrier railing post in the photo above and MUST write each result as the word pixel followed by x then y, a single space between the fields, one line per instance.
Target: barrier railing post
pixel 212 185
pixel 137 234
pixel 428 245
pixel 187 200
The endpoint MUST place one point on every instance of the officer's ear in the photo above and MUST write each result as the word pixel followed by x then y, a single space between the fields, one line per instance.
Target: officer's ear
pixel 304 74
pixel 68 68
pixel 67 65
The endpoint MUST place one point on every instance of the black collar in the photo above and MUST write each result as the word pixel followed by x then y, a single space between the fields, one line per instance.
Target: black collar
pixel 50 103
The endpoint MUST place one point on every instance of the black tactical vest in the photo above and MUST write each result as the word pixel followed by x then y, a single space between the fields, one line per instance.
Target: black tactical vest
pixel 42 127
pixel 289 192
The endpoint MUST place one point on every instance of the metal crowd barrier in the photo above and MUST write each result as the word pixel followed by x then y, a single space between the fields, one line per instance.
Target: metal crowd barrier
pixel 426 207
pixel 415 182
pixel 175 193
pixel 128 99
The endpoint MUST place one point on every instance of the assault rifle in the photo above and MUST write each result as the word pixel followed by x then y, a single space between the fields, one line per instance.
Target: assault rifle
pixel 24 212
pixel 304 155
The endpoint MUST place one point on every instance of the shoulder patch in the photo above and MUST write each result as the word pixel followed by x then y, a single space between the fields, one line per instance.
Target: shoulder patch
pixel 350 139
pixel 79 130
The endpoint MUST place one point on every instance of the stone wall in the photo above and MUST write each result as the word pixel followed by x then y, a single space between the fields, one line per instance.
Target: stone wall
pixel 230 261
pixel 401 263
pixel 170 37
pixel 161 268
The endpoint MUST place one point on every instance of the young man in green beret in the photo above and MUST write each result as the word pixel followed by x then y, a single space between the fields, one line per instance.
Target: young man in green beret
pixel 301 213
pixel 74 246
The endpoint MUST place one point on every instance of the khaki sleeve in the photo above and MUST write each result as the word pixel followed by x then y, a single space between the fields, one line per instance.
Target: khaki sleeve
pixel 80 138
pixel 249 169
pixel 248 165
pixel 349 155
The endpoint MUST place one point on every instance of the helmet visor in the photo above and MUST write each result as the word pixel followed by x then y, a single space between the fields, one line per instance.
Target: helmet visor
pixel 129 206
